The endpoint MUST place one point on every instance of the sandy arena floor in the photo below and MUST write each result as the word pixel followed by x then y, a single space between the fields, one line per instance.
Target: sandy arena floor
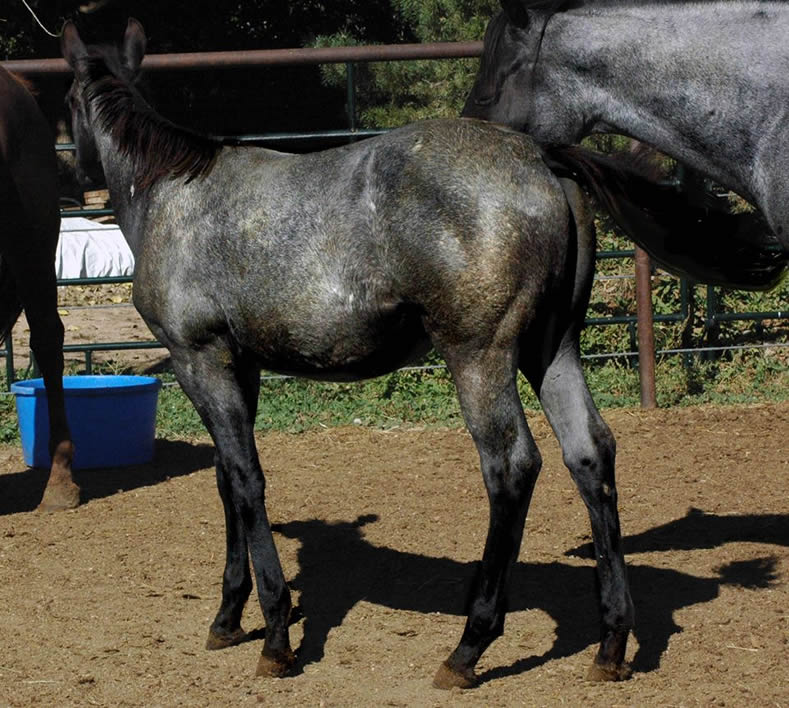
pixel 379 532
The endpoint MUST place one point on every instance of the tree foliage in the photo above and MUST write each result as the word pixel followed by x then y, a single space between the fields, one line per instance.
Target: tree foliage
pixel 258 100
pixel 395 93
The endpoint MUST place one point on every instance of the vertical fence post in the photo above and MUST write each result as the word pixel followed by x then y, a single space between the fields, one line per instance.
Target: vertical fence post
pixel 711 324
pixel 350 87
pixel 646 333
pixel 9 359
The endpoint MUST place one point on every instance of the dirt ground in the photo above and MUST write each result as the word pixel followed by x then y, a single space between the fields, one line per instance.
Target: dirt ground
pixel 97 314
pixel 379 532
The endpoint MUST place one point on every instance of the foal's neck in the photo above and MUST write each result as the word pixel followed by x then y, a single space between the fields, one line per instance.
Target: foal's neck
pixel 128 201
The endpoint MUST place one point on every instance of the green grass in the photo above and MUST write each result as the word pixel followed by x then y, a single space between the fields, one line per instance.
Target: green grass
pixel 427 397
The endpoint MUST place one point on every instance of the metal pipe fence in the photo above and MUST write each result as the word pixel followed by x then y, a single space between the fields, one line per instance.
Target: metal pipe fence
pixel 644 318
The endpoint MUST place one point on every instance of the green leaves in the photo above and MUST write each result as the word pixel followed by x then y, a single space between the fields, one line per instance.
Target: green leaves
pixel 395 93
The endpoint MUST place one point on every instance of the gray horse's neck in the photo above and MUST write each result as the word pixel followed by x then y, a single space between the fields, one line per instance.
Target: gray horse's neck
pixel 702 84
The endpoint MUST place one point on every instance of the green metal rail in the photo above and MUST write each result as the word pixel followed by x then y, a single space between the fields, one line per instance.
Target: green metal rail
pixel 352 133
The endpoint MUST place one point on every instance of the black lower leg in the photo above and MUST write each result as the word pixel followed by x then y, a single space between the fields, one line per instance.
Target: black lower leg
pixel 236 581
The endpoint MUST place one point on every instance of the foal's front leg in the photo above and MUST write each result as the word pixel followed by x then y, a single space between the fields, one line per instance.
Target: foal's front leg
pixel 224 391
pixel 510 464
pixel 226 628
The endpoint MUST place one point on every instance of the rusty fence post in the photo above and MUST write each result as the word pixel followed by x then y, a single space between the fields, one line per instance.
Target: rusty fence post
pixel 646 333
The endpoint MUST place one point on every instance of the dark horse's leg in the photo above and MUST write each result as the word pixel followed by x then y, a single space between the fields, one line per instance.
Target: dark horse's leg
pixel 510 464
pixel 28 239
pixel 588 446
pixel 223 389
pixel 46 341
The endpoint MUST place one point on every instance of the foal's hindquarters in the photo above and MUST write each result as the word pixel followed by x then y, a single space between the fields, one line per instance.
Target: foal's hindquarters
pixel 545 347
pixel 452 233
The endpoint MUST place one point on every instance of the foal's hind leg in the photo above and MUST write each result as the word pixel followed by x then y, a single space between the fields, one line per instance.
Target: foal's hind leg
pixel 222 388
pixel 589 449
pixel 588 446
pixel 510 464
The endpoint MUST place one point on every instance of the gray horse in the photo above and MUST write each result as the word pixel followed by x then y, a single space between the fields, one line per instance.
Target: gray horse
pixel 704 82
pixel 346 264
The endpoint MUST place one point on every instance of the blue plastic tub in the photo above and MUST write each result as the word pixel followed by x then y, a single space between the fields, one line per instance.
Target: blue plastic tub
pixel 112 419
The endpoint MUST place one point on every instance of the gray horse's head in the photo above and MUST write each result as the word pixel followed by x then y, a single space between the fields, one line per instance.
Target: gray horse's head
pixel 125 59
pixel 510 87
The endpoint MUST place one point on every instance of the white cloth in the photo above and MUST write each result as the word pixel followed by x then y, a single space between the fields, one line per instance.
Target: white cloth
pixel 87 249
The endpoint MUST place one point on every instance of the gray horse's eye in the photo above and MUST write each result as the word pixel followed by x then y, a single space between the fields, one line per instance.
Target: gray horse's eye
pixel 485 100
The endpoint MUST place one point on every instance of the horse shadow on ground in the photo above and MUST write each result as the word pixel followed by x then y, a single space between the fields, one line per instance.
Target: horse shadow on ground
pixel 22 491
pixel 339 568
pixel 697 529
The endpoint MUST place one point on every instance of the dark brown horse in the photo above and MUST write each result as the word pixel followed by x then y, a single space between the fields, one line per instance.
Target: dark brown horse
pixel 28 238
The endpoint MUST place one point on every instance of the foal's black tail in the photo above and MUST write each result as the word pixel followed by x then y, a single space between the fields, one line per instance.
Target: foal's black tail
pixel 10 307
pixel 702 241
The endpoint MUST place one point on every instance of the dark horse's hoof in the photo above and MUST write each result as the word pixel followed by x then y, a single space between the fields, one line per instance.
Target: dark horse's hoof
pixel 276 664
pixel 61 493
pixel 222 641
pixel 609 672
pixel 447 678
pixel 60 496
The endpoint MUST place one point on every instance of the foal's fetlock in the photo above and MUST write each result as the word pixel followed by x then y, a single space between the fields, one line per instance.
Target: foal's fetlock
pixel 446 677
pixel 609 672
pixel 218 639
pixel 275 663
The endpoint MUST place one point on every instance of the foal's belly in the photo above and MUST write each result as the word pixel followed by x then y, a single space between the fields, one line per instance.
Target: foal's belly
pixel 343 350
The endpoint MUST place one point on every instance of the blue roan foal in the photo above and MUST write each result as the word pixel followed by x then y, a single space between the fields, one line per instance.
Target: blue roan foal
pixel 346 264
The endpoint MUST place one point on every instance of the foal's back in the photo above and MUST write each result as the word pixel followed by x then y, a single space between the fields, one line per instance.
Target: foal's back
pixel 323 258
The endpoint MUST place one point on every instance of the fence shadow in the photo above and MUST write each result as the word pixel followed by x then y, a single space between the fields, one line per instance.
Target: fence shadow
pixel 339 568
pixel 21 491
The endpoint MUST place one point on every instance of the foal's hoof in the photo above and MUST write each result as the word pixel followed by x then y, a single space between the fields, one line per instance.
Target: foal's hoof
pixel 59 496
pixel 217 640
pixel 447 678
pixel 275 665
pixel 609 672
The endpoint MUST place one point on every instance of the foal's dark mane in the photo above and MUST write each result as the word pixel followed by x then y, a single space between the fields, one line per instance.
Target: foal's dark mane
pixel 158 147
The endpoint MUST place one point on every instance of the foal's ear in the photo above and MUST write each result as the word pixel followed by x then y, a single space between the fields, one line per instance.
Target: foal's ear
pixel 516 12
pixel 71 44
pixel 133 45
